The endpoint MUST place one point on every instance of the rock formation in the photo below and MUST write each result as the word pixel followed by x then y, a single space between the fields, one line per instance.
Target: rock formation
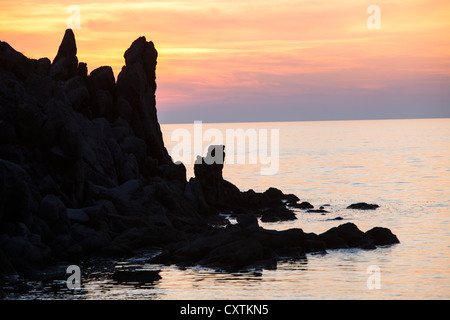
pixel 84 171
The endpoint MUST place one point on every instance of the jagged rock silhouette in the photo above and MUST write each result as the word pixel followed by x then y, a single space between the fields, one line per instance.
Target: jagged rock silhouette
pixel 84 171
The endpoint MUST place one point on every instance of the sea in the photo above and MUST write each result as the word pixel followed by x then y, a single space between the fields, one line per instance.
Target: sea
pixel 401 165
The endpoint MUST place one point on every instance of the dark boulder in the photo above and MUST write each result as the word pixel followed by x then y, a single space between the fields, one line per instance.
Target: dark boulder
pixel 303 205
pixel 91 240
pixel 314 244
pixel 247 221
pixel 363 206
pixel 53 211
pixel 277 214
pixel 274 193
pixel 337 218
pixel 291 198
pixel 77 215
pixel 24 251
pixel 289 243
pixel 382 236
pixel 235 248
pixel 317 211
pixel 237 255
pixel 346 236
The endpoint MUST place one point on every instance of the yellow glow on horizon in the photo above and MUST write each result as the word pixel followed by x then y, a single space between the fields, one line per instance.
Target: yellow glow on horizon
pixel 248 43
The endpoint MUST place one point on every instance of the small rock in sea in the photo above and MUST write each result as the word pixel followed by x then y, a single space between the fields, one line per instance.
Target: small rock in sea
pixel 363 206
pixel 337 218
pixel 318 211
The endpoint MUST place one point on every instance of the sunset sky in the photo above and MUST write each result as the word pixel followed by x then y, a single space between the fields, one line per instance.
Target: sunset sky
pixel 259 60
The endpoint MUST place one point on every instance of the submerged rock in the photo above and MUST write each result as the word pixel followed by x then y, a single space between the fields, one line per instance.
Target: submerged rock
pixel 317 211
pixel 337 218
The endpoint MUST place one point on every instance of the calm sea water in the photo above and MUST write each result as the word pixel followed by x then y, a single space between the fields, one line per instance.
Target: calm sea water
pixel 402 165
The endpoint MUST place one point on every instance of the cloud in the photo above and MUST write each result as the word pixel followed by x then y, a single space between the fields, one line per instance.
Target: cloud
pixel 230 53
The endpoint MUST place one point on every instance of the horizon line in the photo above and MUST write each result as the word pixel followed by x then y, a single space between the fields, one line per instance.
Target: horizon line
pixel 287 121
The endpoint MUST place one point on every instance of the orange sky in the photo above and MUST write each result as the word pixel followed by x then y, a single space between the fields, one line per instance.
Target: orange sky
pixel 213 55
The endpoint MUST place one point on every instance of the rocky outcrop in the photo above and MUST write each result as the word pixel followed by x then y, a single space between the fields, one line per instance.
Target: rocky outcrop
pixel 65 64
pixel 303 205
pixel 222 195
pixel 237 247
pixel 76 172
pixel 136 88
pixel 84 171
pixel 246 245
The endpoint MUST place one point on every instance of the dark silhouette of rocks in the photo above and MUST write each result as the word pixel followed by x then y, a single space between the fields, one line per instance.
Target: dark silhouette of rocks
pixel 84 171
pixel 317 211
pixel 236 248
pixel 65 64
pixel 303 205
pixel 363 206
pixel 136 276
pixel 221 194
pixel 382 236
pixel 337 218
pixel 347 236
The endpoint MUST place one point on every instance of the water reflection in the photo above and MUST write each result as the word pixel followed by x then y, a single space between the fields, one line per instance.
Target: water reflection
pixel 402 165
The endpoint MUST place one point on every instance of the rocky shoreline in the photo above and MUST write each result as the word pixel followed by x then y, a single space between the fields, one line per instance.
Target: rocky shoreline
pixel 84 172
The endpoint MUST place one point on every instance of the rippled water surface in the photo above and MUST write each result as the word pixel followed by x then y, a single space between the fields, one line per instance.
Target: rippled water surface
pixel 402 165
